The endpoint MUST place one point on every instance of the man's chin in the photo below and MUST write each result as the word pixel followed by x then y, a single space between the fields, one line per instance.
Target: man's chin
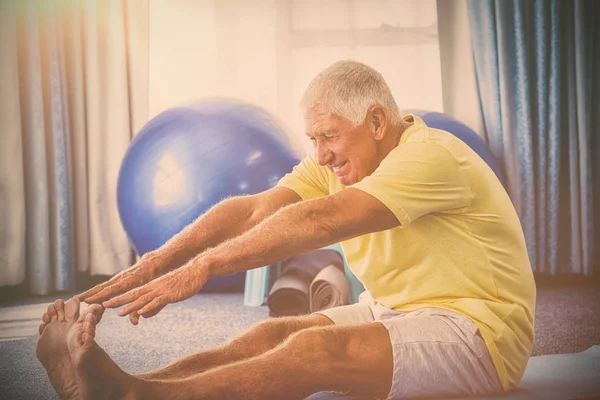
pixel 346 180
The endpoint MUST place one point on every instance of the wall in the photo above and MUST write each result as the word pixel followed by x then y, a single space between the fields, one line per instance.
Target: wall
pixel 266 51
pixel 191 57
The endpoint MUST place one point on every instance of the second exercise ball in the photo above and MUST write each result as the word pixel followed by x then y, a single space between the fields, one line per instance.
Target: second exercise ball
pixel 445 122
pixel 187 159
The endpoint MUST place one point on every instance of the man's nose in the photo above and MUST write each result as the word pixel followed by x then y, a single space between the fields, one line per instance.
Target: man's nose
pixel 324 155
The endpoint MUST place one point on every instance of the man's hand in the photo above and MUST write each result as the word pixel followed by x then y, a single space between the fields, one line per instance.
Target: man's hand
pixel 146 269
pixel 149 299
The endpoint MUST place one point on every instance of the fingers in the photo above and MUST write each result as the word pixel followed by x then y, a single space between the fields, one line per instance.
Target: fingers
pixel 111 290
pixel 153 313
pixel 90 295
pixel 147 305
pixel 134 318
pixel 91 292
pixel 136 305
pixel 98 297
pixel 85 296
pixel 128 297
pixel 144 301
pixel 154 306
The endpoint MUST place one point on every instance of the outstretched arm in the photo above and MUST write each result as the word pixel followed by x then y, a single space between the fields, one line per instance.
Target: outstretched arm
pixel 295 229
pixel 225 220
pixel 299 228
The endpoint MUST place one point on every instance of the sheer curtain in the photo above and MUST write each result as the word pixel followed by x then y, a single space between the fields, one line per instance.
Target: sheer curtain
pixel 74 89
pixel 537 72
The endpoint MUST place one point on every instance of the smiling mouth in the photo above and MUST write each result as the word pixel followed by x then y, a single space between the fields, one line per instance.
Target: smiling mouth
pixel 336 168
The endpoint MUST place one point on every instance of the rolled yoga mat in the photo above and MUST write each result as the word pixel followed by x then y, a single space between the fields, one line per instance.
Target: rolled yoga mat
pixel 291 292
pixel 329 289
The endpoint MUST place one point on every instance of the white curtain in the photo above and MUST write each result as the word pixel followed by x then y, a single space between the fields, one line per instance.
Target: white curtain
pixel 74 82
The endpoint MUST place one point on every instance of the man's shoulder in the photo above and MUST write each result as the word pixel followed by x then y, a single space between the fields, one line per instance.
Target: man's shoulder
pixel 426 144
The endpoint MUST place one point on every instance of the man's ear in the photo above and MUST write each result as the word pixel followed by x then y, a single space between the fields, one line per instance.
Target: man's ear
pixel 378 121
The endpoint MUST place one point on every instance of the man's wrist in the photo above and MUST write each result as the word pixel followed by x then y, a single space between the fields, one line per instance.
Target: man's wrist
pixel 201 265
pixel 157 261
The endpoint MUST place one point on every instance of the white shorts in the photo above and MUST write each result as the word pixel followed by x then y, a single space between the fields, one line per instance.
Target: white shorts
pixel 436 352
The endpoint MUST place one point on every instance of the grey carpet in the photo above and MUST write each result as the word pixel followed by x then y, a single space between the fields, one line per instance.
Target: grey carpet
pixel 567 317
pixel 567 321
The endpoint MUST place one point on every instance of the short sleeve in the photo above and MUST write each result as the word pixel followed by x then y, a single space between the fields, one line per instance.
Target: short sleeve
pixel 307 179
pixel 418 178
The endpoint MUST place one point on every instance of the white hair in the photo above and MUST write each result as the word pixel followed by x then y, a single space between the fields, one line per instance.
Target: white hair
pixel 349 88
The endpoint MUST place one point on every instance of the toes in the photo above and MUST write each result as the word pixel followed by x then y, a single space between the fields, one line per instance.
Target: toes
pixel 46 318
pixel 89 327
pixel 72 309
pixel 52 313
pixel 86 337
pixel 51 310
pixel 42 326
pixel 59 304
pixel 88 319
pixel 96 310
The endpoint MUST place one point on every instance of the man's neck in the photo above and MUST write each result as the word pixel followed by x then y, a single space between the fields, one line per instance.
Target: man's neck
pixel 399 131
pixel 393 139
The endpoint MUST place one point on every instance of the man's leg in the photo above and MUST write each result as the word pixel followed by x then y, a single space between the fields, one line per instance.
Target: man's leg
pixel 348 359
pixel 356 359
pixel 53 353
pixel 259 339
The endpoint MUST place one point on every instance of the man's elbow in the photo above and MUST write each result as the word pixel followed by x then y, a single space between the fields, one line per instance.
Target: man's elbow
pixel 243 206
pixel 326 223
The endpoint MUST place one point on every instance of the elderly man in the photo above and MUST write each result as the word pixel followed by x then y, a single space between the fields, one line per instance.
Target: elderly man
pixel 424 224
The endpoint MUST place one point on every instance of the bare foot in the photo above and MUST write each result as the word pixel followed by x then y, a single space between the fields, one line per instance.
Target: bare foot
pixel 52 350
pixel 97 375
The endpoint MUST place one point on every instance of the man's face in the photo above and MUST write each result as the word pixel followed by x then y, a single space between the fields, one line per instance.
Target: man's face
pixel 349 151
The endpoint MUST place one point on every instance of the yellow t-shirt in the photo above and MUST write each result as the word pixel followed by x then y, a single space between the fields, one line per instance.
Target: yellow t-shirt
pixel 460 245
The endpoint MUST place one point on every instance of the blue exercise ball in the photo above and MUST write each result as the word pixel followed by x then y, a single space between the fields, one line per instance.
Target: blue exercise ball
pixel 187 159
pixel 463 132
